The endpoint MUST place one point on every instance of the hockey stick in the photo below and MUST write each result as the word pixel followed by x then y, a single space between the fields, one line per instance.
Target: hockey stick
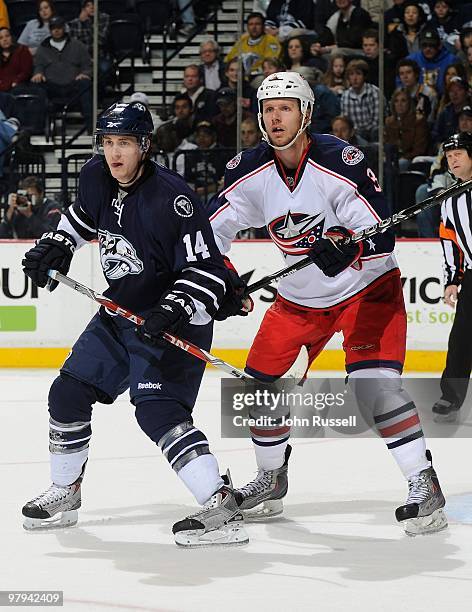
pixel 296 371
pixel 378 228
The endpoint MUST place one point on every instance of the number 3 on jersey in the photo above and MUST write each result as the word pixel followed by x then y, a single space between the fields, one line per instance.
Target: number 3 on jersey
pixel 200 247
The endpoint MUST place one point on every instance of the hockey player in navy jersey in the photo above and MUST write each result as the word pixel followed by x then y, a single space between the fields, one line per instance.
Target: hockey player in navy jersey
pixel 309 191
pixel 160 260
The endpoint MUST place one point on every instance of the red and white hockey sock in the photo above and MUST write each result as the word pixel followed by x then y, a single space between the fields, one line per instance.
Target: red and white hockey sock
pixel 395 415
pixel 269 446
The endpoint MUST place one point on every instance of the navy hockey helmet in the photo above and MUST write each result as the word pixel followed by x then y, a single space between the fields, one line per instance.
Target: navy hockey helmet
pixel 128 119
pixel 461 140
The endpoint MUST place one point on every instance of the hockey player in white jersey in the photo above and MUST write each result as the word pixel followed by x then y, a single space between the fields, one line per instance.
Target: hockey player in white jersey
pixel 309 190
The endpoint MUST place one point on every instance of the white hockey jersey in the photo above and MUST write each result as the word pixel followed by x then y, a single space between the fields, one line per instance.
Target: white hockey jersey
pixel 332 186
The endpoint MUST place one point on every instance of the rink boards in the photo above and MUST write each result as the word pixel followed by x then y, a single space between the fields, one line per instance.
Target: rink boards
pixel 37 328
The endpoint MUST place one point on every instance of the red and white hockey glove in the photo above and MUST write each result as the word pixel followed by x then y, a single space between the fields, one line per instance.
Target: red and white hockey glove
pixel 234 302
pixel 332 256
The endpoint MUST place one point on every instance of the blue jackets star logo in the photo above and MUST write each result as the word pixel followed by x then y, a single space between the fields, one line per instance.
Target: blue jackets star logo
pixel 296 233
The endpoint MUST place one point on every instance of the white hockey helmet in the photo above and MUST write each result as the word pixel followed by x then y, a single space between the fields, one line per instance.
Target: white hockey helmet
pixel 285 85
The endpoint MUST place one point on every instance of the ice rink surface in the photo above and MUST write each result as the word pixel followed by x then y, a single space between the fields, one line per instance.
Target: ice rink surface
pixel 337 547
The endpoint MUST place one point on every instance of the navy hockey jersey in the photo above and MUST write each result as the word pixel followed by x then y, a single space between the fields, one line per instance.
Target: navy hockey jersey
pixel 332 186
pixel 153 237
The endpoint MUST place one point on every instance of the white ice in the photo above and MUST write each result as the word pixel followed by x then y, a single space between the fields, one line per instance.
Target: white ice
pixel 338 546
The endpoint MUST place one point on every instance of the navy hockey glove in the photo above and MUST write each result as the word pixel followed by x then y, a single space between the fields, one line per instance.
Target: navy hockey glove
pixel 174 311
pixel 53 251
pixel 332 256
pixel 234 302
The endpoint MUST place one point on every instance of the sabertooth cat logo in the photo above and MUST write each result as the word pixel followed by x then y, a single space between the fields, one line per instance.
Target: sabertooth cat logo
pixel 296 233
pixel 118 256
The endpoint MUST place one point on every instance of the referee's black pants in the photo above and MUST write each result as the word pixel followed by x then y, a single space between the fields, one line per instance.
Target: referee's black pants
pixel 455 378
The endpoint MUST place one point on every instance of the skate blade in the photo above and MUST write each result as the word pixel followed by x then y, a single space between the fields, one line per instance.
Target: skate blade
pixel 60 521
pixel 445 418
pixel 437 521
pixel 265 511
pixel 228 535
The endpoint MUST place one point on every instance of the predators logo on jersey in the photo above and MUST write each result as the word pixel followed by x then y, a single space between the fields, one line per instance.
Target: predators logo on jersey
pixel 118 256
pixel 296 233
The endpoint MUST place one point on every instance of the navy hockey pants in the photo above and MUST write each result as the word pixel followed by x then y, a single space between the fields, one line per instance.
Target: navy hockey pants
pixel 108 358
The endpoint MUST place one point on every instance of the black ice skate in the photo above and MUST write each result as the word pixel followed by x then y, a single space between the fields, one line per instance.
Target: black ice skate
pixel 262 497
pixel 56 507
pixel 218 523
pixel 423 512
pixel 445 411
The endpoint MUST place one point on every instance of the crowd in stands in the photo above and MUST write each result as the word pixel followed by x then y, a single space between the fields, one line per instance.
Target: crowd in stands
pixel 334 44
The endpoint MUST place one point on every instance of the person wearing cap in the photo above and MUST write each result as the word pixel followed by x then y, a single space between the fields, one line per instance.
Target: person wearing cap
pixel 447 121
pixel 439 178
pixel 433 58
pixel 206 165
pixel 454 232
pixel 225 121
pixel 63 68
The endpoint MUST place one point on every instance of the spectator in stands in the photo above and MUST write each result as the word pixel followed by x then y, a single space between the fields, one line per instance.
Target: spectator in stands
pixel 212 68
pixel 361 101
pixel 319 47
pixel 271 65
pixel 225 120
pixel 29 212
pixel 203 99
pixel 347 25
pixel 8 133
pixel 140 96
pixel 81 29
pixel 370 47
pixel 62 68
pixel 424 96
pixel 254 46
pixel 206 165
pixel 394 15
pixel 4 20
pixel 463 43
pixel 343 128
pixel 170 138
pixel 250 133
pixel 405 37
pixel 468 66
pixel 187 17
pixel 446 20
pixel 287 18
pixel 335 77
pixel 451 71
pixel 447 122
pixel 183 110
pixel 296 53
pixel 439 178
pixel 433 59
pixel 231 82
pixel 327 103
pixel 409 133
pixel 37 30
pixel 16 62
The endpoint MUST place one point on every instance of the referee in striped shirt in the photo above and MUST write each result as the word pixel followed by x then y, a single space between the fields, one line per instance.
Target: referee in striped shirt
pixel 455 232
